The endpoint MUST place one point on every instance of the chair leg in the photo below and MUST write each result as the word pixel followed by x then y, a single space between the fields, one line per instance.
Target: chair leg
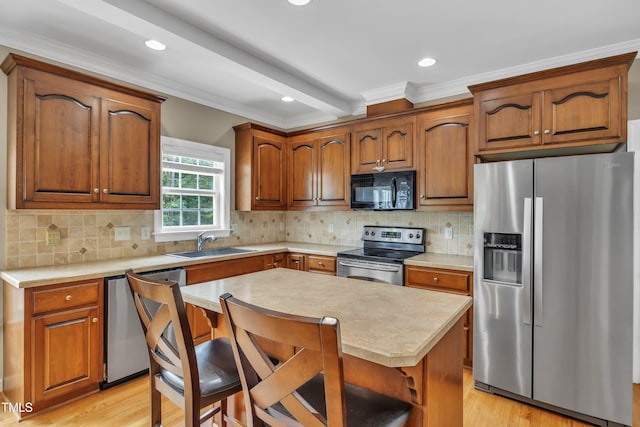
pixel 223 413
pixel 156 406
pixel 191 414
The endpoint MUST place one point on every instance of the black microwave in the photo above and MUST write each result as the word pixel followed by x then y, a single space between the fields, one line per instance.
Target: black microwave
pixel 384 191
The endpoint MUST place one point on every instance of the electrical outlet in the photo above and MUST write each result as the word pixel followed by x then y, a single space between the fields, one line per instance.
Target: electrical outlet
pixel 145 233
pixel 122 233
pixel 448 233
pixel 330 228
pixel 234 228
pixel 52 237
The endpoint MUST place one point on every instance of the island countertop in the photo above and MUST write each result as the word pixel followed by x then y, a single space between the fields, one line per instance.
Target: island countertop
pixel 393 326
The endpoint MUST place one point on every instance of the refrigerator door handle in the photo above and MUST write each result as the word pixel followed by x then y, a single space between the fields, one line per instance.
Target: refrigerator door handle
pixel 526 262
pixel 537 260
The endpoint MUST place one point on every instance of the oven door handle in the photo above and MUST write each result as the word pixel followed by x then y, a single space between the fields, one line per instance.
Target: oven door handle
pixel 369 267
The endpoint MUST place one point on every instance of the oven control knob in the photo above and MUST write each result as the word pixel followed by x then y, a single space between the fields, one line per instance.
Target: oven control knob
pixel 373 233
pixel 418 236
pixel 411 235
pixel 366 233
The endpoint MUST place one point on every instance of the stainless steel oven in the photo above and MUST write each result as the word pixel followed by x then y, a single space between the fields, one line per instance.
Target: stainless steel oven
pixel 381 259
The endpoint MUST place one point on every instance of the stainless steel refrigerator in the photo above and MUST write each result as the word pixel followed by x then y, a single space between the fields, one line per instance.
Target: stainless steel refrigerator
pixel 553 291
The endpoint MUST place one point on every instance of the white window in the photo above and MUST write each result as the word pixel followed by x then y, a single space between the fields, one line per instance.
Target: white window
pixel 195 194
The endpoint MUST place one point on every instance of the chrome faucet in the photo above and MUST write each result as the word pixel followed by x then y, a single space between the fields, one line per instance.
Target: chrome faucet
pixel 202 239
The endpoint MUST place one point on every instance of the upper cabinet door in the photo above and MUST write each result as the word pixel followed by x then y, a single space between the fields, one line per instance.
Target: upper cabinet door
pixel 510 121
pixel 59 154
pixel 269 166
pixel 446 160
pixel 366 152
pixel 398 144
pixel 583 112
pixel 129 152
pixel 333 170
pixel 303 174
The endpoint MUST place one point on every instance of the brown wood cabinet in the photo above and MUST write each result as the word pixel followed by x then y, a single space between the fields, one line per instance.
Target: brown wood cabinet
pixel 445 157
pixel 312 263
pixel 452 281
pixel 76 142
pixel 296 261
pixel 563 110
pixel 261 165
pixel 319 170
pixel 198 321
pixel 383 145
pixel 53 340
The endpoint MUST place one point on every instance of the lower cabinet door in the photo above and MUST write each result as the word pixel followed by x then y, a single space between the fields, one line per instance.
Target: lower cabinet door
pixel 67 357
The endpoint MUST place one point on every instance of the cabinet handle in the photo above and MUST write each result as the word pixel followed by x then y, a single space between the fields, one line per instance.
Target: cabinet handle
pixel 547 131
pixel 105 191
pixel 68 297
pixel 96 190
pixel 435 279
pixel 536 132
pixel 94 320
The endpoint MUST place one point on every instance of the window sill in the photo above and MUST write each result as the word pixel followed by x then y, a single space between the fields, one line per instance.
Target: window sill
pixel 176 236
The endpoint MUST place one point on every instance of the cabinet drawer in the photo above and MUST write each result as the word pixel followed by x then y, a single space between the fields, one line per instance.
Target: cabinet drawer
pixel 322 264
pixel 439 280
pixel 66 297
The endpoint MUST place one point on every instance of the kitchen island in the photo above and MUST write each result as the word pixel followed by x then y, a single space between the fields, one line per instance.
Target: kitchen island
pixel 402 342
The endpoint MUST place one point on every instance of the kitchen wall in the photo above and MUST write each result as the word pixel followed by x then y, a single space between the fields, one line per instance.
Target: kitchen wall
pixel 347 226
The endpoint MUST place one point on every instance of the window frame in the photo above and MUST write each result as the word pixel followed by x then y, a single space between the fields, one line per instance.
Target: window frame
pixel 201 151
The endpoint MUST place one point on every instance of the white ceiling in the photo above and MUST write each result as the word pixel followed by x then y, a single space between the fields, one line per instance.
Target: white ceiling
pixel 333 56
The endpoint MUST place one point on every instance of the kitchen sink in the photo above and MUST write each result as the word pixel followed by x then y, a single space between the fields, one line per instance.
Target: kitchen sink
pixel 211 252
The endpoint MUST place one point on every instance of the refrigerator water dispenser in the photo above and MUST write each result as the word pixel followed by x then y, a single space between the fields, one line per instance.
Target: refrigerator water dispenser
pixel 503 257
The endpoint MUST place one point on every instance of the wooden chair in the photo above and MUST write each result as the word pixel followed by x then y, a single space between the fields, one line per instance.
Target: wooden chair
pixel 193 377
pixel 307 389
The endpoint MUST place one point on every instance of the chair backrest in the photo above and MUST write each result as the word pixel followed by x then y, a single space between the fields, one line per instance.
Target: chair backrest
pixel 164 321
pixel 317 350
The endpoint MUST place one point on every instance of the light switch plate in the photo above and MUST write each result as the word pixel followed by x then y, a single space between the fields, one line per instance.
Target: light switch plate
pixel 145 233
pixel 448 233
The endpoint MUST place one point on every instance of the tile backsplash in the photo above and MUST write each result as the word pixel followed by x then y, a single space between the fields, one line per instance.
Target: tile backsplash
pixel 90 235
pixel 347 227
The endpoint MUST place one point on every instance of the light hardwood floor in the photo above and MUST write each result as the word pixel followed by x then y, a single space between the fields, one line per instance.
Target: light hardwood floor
pixel 127 405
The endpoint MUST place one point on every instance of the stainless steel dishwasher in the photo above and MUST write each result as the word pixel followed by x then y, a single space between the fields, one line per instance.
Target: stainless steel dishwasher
pixel 125 349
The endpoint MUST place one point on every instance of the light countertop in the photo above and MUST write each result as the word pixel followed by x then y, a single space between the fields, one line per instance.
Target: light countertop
pixel 452 262
pixel 40 276
pixel 390 325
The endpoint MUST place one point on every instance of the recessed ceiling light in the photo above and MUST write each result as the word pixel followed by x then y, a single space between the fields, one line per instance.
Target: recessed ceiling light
pixel 287 99
pixel 155 45
pixel 299 2
pixel 426 62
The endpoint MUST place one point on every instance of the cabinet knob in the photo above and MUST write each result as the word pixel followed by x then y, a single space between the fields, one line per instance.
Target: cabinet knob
pixel 320 264
pixel 436 279
pixel 547 131
pixel 422 196
pixel 68 297
pixel 257 198
pixel 105 191
pixel 384 160
pixel 536 132
pixel 94 320
pixel 96 190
